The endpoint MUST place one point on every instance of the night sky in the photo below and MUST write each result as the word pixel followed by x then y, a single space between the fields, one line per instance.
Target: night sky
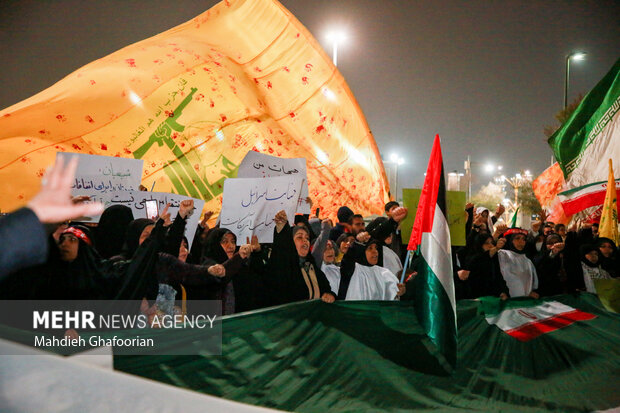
pixel 485 75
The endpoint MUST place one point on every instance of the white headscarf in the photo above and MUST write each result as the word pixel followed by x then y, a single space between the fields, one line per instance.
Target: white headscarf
pixel 332 273
pixel 391 261
pixel 372 283
pixel 518 272
pixel 479 211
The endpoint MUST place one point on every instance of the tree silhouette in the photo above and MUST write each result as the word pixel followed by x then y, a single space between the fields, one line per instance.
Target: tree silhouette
pixel 562 116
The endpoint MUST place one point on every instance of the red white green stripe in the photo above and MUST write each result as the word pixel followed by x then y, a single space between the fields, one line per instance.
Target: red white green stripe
pixel 435 303
pixel 577 199
pixel 591 135
pixel 526 322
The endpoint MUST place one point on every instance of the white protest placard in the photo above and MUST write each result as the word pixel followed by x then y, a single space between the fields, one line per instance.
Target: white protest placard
pixel 98 174
pixel 249 205
pixel 137 200
pixel 259 165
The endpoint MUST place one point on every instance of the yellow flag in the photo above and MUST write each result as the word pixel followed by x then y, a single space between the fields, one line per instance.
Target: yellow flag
pixel 608 226
pixel 244 75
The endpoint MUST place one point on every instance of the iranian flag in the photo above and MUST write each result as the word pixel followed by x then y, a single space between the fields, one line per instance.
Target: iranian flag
pixel 577 199
pixel 435 303
pixel 591 134
pixel 528 319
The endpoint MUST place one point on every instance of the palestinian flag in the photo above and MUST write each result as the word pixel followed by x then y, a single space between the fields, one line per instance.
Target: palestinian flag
pixel 435 303
pixel 527 319
pixel 591 134
pixel 577 199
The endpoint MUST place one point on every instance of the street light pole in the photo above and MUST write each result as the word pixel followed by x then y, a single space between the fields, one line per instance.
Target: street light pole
pixel 572 56
pixel 468 173
pixel 517 182
pixel 335 53
pixel 397 161
pixel 335 38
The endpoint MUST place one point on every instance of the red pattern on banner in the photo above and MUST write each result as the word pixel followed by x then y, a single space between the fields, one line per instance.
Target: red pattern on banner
pixel 534 329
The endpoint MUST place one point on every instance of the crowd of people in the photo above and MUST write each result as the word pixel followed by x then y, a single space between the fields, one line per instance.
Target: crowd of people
pixel 151 260
pixel 544 260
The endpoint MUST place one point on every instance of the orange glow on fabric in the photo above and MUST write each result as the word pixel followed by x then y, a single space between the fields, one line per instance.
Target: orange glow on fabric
pixel 191 101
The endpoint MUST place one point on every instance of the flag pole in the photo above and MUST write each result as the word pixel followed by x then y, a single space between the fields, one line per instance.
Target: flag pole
pixel 407 259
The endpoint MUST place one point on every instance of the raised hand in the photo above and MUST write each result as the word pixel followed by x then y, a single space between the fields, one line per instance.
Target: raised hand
pixel 165 216
pixel 186 208
pixel 281 217
pixel 499 230
pixel 253 243
pixel 245 250
pixel 399 214
pixel 543 215
pixel 53 202
pixel 557 247
pixel 500 210
pixel 206 217
pixel 363 237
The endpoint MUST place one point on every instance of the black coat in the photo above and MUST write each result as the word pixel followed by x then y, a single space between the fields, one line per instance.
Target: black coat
pixel 485 278
pixel 284 282
pixel 24 242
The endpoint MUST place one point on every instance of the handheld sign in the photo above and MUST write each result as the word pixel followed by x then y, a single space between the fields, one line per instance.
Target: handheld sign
pixel 98 174
pixel 259 165
pixel 142 206
pixel 249 205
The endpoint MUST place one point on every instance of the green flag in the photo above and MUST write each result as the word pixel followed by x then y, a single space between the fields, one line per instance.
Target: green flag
pixel 513 222
pixel 591 134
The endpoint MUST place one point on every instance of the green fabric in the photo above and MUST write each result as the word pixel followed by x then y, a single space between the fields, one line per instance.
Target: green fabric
pixel 513 223
pixel 435 313
pixel 490 306
pixel 373 356
pixel 586 122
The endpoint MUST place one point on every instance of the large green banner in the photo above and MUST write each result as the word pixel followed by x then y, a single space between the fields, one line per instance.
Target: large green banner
pixel 456 214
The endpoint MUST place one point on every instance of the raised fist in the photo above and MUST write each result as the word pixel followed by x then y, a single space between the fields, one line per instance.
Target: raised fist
pixel 399 214
pixel 186 207
pixel 281 218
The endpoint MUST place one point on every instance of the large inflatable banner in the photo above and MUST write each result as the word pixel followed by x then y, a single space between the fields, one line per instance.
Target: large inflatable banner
pixel 192 101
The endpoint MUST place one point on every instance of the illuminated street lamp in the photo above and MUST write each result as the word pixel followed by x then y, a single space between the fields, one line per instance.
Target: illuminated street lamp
pixel 335 38
pixel 577 56
pixel 488 168
pixel 397 161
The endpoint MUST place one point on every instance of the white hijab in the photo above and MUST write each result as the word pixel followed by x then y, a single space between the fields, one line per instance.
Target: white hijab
pixel 479 211
pixel 332 272
pixel 372 283
pixel 518 272
pixel 391 261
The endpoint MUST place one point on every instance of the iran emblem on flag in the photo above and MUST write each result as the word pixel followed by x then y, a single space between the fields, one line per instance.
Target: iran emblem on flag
pixel 528 320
